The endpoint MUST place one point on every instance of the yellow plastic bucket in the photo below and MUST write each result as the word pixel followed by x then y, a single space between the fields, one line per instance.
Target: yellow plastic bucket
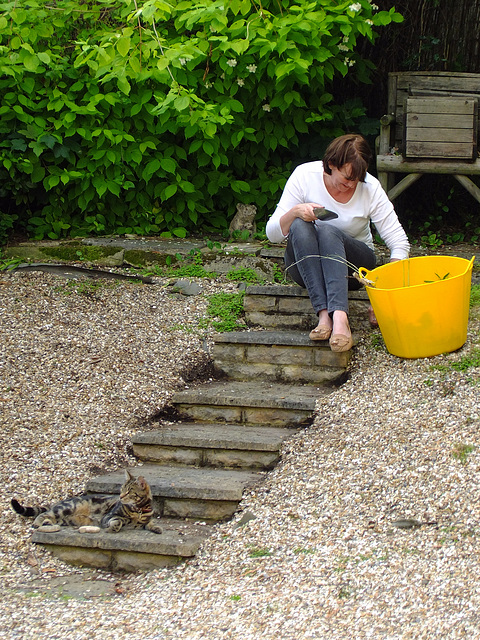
pixel 421 304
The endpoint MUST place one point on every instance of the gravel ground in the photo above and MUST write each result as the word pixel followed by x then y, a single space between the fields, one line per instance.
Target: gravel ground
pixel 82 368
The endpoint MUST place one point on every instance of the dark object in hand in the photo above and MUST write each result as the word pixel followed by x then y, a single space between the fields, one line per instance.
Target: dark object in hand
pixel 324 214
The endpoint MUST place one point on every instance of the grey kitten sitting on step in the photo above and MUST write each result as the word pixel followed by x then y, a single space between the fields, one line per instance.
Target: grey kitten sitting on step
pixel 132 509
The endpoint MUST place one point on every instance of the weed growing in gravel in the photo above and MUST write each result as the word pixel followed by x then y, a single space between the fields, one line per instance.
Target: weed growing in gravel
pixel 259 553
pixel 462 451
pixel 84 287
pixel 468 361
pixel 377 342
pixel 300 550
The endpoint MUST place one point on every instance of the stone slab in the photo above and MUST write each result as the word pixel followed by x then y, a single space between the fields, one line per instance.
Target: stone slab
pixel 218 458
pixel 180 539
pixel 182 482
pixel 280 373
pixel 295 291
pixel 245 415
pixel 127 550
pixel 169 246
pixel 253 394
pixel 215 436
pixel 294 338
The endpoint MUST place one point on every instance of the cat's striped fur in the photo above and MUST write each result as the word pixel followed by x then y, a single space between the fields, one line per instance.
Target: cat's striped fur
pixel 132 509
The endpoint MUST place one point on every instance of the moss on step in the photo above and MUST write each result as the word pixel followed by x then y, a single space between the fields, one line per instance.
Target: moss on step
pixel 78 251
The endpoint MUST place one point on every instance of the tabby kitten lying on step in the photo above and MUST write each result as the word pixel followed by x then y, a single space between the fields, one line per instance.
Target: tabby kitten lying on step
pixel 133 509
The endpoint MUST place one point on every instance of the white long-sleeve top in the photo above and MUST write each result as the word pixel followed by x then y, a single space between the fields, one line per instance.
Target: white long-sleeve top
pixel 368 203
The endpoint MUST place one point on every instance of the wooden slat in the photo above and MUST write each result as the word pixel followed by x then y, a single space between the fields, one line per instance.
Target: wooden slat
pixel 440 81
pixel 398 164
pixel 437 104
pixel 439 150
pixel 434 135
pixel 439 120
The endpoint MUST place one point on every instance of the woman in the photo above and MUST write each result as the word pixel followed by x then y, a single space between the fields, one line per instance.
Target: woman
pixel 318 252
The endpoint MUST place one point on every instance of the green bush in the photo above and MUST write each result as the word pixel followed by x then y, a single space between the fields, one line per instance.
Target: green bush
pixel 146 117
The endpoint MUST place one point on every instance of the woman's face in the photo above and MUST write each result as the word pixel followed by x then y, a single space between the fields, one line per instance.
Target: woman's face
pixel 340 180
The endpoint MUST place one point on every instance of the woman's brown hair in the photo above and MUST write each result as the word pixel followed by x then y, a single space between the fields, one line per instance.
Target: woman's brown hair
pixel 352 149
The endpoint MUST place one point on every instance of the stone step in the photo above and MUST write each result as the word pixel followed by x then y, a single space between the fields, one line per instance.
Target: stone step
pixel 215 445
pixel 186 492
pixel 280 356
pixel 129 549
pixel 253 402
pixel 288 307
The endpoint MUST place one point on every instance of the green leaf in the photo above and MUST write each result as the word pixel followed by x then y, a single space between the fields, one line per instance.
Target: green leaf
pixel 152 167
pixel 123 46
pixel 123 85
pixel 169 191
pixel 168 165
pixel 30 61
pixel 180 232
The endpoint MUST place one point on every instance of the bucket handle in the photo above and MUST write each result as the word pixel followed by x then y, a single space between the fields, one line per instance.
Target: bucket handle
pixel 470 264
pixel 363 277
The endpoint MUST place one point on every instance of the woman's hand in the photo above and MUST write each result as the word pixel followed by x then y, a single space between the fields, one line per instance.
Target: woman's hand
pixel 303 210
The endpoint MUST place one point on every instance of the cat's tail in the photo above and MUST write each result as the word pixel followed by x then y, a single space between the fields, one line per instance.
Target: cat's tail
pixel 26 512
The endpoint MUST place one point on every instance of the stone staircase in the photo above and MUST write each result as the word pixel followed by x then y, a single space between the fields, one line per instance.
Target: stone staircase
pixel 228 434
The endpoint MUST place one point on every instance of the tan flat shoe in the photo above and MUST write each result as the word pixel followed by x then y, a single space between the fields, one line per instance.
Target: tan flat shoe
pixel 321 332
pixel 340 343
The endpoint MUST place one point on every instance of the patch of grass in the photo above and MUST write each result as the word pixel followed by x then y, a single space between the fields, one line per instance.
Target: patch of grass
pixel 260 553
pixel 377 342
pixel 462 451
pixel 225 310
pixel 235 598
pixel 467 362
pixel 475 295
pixel 244 274
pixel 9 263
pixel 190 266
pixel 301 550
pixel 85 287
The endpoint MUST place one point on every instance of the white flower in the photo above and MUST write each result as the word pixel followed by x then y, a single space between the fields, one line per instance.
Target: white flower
pixel 266 107
pixel 252 68
pixel 370 22
pixel 208 85
pixel 375 7
pixel 183 61
pixel 232 63
pixel 356 6
pixel 240 82
pixel 342 47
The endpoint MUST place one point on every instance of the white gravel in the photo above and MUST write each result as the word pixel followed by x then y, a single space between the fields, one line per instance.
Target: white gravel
pixel 80 371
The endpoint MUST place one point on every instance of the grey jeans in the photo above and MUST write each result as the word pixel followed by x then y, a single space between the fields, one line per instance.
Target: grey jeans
pixel 316 258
